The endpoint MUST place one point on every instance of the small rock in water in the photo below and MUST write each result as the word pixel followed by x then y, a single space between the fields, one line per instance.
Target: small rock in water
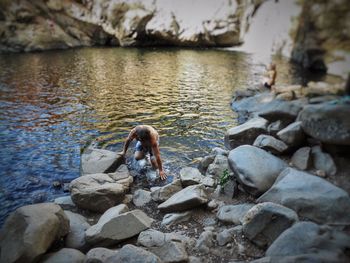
pixel 56 184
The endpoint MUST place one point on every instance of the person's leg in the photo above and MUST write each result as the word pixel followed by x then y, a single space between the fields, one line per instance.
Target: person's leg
pixel 139 154
pixel 154 162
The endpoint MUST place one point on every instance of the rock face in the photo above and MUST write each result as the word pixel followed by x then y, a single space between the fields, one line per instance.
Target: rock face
pixel 161 194
pixel 77 226
pixel 233 213
pixel 133 254
pixel 30 231
pixel 64 255
pixel 270 143
pixel 263 223
pixel 255 168
pixel 327 122
pixel 187 198
pixel 245 133
pixel 113 230
pixel 310 196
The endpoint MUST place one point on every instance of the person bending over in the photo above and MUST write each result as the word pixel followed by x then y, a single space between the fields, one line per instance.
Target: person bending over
pixel 147 142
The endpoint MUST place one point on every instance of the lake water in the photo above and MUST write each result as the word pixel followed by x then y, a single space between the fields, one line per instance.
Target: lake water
pixel 54 103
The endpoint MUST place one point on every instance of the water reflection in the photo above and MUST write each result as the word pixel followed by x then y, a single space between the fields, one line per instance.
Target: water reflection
pixel 53 103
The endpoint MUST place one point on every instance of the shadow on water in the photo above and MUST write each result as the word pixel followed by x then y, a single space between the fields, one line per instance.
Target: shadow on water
pixel 53 103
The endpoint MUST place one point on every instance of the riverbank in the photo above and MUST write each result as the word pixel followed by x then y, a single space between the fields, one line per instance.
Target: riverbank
pixel 285 179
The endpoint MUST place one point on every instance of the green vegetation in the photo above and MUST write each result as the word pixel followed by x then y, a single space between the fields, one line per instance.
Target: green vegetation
pixel 224 178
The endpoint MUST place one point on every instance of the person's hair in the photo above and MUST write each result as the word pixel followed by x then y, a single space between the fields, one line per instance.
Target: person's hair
pixel 143 134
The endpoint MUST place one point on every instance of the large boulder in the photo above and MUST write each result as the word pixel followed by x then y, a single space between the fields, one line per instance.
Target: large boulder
pixel 133 254
pixel 286 111
pixel 293 134
pixel 64 255
pixel 30 231
pixel 190 197
pixel 245 133
pixel 190 176
pixel 310 196
pixel 233 214
pixel 118 228
pixel 99 255
pixel 76 236
pixel 95 161
pixel 252 104
pixel 327 122
pixel 270 144
pixel 305 238
pixel 161 194
pixel 255 168
pixel 264 222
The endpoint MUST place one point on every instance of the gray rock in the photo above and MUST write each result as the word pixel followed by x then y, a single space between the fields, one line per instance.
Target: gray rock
pixel 76 236
pixel 301 159
pixel 209 181
pixel 114 230
pixel 161 194
pixel 141 197
pixel 95 161
pixel 205 162
pixel 64 255
pixel 245 133
pixel 254 168
pixel 233 214
pixel 286 111
pixel 227 235
pixel 309 238
pixel 310 196
pixel 30 230
pixel 217 168
pixel 190 176
pixel 254 103
pixel 99 255
pixel 275 127
pixel 64 201
pixel 270 144
pixel 264 222
pixel 219 151
pixel 173 218
pixel 133 254
pixel 205 242
pixel 112 213
pixel 190 197
pixel 327 122
pixel 293 134
pixel 318 257
pixel 323 161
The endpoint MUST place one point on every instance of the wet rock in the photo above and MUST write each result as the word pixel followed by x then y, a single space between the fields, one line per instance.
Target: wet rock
pixel 270 143
pixel 301 159
pixel 233 213
pixel 37 226
pixel 310 196
pixel 245 133
pixel 141 197
pixel 64 201
pixel 275 127
pixel 205 242
pixel 323 161
pixel 205 162
pixel 320 240
pixel 293 134
pixel 327 122
pixel 173 218
pixel 227 235
pixel 99 255
pixel 264 222
pixel 190 176
pixel 76 236
pixel 218 167
pixel 286 111
pixel 95 161
pixel 254 168
pixel 114 231
pixel 64 255
pixel 133 254
pixel 161 194
pixel 190 197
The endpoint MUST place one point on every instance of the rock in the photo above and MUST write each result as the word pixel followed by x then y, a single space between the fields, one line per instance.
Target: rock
pixel 99 255
pixel 275 127
pixel 323 161
pixel 64 201
pixel 264 222
pixel 205 242
pixel 96 192
pixel 173 218
pixel 112 213
pixel 286 111
pixel 30 231
pixel 327 122
pixel 233 213
pixel 310 196
pixel 190 176
pixel 320 239
pixel 161 194
pixel 245 133
pixel 301 159
pixel 133 254
pixel 286 96
pixel 76 236
pixel 205 162
pixel 320 256
pixel 190 197
pixel 293 134
pixel 270 143
pixel 228 235
pixel 218 167
pixel 127 199
pixel 141 197
pixel 208 181
pixel 114 231
pixel 254 168
pixel 64 255
pixel 219 151
pixel 94 161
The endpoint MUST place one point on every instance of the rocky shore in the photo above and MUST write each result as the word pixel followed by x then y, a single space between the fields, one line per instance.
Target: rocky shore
pixel 278 193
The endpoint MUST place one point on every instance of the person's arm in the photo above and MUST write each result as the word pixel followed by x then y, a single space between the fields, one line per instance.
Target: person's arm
pixel 131 136
pixel 155 149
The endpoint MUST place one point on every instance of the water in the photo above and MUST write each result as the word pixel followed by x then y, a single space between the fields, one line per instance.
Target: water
pixel 53 103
